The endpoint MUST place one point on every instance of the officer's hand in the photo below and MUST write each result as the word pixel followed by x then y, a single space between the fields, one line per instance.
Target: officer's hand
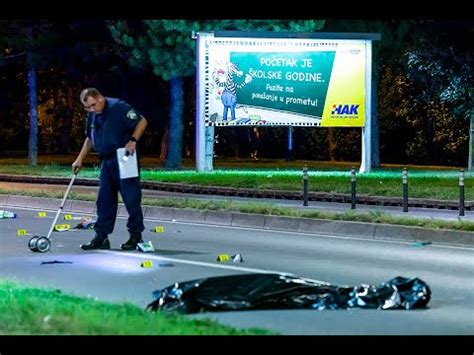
pixel 130 147
pixel 76 166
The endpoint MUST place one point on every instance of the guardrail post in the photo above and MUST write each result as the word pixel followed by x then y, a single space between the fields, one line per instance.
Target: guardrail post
pixel 461 192
pixel 353 188
pixel 305 185
pixel 405 189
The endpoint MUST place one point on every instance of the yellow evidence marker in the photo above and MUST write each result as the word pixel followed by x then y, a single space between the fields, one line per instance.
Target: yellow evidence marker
pixel 68 217
pixel 42 214
pixel 146 264
pixel 159 229
pixel 222 258
pixel 21 232
pixel 62 227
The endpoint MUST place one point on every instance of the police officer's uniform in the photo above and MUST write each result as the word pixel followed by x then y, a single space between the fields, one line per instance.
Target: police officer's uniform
pixel 109 130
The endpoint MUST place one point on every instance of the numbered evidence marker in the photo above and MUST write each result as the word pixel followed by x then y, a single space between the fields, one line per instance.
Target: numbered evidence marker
pixel 146 264
pixel 68 217
pixel 62 227
pixel 159 229
pixel 222 258
pixel 22 232
pixel 42 214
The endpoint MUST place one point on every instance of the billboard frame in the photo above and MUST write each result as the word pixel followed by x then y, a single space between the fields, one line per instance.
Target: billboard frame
pixel 205 134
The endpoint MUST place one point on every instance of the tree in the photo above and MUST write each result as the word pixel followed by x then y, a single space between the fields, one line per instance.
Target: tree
pixel 62 56
pixel 27 40
pixel 85 49
pixel 168 47
pixel 442 60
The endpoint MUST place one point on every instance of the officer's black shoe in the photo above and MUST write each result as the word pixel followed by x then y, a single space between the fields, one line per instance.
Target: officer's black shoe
pixel 99 241
pixel 131 243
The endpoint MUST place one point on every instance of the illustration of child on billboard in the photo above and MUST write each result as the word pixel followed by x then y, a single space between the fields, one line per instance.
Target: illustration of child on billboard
pixel 223 77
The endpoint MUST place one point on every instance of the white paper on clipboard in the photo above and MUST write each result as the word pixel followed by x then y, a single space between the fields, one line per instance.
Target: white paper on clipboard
pixel 128 169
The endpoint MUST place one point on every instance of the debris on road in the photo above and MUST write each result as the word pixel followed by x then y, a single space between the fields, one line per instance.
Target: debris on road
pixel 7 214
pixel 85 223
pixel 55 262
pixel 420 244
pixel 237 258
pixel 145 247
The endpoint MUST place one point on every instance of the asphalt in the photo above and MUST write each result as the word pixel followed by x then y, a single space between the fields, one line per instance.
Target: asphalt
pixel 187 251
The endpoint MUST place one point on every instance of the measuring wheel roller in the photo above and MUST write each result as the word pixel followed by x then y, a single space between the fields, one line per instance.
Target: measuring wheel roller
pixel 32 243
pixel 43 244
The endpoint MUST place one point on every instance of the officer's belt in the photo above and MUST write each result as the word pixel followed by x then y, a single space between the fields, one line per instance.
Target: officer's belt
pixel 112 155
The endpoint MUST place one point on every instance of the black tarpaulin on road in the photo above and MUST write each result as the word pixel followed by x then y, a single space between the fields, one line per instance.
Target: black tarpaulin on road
pixel 276 291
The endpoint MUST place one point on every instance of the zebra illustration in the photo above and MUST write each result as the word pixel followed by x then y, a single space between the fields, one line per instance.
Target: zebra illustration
pixel 223 77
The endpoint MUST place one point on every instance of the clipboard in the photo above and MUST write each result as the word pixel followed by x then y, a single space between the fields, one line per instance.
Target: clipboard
pixel 127 169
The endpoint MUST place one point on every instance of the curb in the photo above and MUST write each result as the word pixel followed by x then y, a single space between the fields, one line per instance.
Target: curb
pixel 278 223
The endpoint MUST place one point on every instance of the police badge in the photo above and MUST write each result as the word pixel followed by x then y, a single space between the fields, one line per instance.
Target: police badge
pixel 132 115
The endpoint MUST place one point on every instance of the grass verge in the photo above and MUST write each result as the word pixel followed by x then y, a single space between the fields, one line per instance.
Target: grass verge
pixel 431 184
pixel 41 311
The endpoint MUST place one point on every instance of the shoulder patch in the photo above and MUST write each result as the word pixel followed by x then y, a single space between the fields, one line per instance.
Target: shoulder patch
pixel 132 115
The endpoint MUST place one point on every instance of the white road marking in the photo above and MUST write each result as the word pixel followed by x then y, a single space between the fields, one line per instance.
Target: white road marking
pixel 201 263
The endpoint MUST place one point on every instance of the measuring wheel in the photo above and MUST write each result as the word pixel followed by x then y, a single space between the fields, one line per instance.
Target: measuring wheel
pixel 32 243
pixel 43 244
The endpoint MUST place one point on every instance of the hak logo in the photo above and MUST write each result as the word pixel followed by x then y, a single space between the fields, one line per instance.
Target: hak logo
pixel 345 109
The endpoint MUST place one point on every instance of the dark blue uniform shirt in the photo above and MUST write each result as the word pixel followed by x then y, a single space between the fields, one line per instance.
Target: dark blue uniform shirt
pixel 112 128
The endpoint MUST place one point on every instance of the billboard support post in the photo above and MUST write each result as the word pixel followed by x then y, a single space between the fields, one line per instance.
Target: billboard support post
pixel 203 133
pixel 366 158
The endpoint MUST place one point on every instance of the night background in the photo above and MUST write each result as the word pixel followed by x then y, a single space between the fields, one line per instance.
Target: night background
pixel 422 69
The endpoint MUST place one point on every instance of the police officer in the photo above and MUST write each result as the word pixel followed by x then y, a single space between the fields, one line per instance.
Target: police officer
pixel 112 124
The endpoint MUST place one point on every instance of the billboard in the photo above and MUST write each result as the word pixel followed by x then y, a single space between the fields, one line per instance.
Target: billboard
pixel 284 81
